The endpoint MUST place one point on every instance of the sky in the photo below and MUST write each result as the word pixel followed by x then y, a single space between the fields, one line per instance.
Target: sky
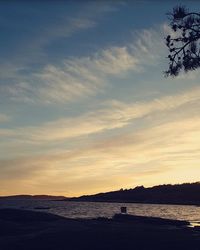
pixel 84 104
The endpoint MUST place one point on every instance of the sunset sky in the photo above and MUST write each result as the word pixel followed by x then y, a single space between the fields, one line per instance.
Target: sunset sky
pixel 84 104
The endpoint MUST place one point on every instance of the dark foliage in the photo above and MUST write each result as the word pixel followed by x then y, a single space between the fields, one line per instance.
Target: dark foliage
pixel 184 45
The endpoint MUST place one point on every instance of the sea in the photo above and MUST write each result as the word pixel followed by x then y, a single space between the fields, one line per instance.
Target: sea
pixel 72 209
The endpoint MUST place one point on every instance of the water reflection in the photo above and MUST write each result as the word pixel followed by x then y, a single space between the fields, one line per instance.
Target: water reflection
pixel 95 209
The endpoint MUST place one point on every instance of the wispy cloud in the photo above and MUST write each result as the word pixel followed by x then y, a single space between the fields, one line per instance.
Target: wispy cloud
pixel 76 77
pixel 32 48
pixel 113 115
pixel 87 16
pixel 149 47
pixel 151 155
pixel 167 146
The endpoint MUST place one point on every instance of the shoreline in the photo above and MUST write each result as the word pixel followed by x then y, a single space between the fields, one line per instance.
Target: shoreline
pixel 131 202
pixel 31 230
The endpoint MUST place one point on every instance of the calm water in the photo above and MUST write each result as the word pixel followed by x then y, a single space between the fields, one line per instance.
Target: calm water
pixel 93 209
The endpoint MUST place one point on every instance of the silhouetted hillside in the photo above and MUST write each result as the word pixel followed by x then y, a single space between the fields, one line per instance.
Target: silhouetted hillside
pixel 187 193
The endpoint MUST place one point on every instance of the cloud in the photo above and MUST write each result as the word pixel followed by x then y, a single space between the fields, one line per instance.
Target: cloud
pixel 148 156
pixel 31 49
pixel 148 46
pixel 87 16
pixel 165 145
pixel 114 115
pixel 77 77
pixel 65 27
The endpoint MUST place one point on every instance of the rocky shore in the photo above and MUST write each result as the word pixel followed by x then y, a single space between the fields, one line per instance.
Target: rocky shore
pixel 31 230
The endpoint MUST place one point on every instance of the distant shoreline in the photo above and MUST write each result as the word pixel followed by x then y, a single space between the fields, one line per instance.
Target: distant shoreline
pixel 11 198
pixel 178 194
pixel 131 202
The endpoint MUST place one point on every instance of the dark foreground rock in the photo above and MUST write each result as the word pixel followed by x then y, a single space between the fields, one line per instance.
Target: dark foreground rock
pixel 150 220
pixel 30 230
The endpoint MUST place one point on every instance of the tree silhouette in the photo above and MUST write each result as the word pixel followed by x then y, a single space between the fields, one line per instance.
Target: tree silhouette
pixel 184 43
